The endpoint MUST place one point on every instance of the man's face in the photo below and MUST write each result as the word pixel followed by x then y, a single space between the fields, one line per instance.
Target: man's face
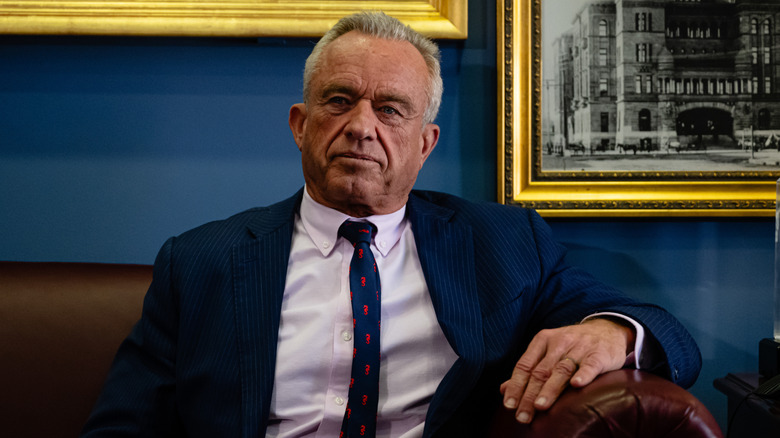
pixel 361 134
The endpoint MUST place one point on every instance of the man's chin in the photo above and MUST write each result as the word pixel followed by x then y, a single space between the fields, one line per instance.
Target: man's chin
pixel 355 197
pixel 357 192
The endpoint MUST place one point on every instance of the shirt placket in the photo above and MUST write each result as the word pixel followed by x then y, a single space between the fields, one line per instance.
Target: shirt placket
pixel 336 397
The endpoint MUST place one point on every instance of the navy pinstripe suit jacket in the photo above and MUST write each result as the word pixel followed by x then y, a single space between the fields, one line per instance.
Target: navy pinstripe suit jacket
pixel 200 362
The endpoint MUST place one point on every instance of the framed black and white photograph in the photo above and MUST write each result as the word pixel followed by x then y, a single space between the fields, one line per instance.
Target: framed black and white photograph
pixel 640 108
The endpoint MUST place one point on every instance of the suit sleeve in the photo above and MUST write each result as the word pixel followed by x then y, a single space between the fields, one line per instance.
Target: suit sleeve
pixel 138 398
pixel 568 294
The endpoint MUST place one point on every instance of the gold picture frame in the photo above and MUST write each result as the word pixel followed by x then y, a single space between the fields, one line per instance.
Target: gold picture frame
pixel 522 180
pixel 224 18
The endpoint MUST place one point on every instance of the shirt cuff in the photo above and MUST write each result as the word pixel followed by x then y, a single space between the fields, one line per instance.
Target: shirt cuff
pixel 633 358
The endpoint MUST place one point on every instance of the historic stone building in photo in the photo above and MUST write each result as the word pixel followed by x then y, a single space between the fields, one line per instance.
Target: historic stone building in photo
pixel 668 75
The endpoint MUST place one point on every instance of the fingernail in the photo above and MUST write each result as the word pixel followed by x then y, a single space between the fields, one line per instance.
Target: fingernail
pixel 510 403
pixel 541 402
pixel 523 417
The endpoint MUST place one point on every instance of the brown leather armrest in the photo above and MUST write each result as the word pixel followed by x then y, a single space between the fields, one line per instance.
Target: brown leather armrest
pixel 623 403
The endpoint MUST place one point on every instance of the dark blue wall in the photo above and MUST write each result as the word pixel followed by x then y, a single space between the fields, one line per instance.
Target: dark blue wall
pixel 110 145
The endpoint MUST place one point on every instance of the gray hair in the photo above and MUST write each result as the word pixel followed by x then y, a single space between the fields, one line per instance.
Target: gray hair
pixel 380 25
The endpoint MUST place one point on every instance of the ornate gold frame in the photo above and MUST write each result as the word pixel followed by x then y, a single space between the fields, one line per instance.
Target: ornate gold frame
pixel 521 180
pixel 235 18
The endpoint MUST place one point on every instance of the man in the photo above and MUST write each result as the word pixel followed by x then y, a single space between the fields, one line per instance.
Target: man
pixel 248 329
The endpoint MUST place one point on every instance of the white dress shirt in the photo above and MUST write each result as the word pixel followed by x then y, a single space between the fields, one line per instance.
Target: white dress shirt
pixel 314 352
pixel 314 356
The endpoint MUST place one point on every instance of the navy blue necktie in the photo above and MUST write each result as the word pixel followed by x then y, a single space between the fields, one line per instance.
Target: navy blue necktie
pixel 360 416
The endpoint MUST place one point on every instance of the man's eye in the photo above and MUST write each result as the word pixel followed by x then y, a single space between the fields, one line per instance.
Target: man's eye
pixel 388 110
pixel 338 100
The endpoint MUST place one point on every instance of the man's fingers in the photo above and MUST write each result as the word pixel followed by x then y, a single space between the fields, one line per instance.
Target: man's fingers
pixel 514 388
pixel 590 368
pixel 556 358
pixel 525 410
pixel 562 373
pixel 536 380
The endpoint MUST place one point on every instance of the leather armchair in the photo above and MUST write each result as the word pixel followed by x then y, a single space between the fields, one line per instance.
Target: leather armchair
pixel 61 323
pixel 618 404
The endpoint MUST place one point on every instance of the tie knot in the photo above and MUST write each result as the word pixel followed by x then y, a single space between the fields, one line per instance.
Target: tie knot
pixel 357 231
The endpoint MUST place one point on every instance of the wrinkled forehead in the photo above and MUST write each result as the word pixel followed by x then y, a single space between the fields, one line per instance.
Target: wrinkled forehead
pixel 357 44
pixel 372 60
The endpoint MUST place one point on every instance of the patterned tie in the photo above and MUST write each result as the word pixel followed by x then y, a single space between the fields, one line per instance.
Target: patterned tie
pixel 360 416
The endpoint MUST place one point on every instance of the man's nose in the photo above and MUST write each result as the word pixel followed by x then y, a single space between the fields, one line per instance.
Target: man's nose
pixel 362 121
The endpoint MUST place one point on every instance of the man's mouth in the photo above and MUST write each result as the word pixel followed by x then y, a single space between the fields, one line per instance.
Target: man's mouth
pixel 354 156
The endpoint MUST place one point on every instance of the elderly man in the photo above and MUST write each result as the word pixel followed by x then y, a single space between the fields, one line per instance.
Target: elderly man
pixel 361 307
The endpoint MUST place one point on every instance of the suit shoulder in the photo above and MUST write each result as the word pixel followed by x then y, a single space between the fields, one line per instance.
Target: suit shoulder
pixel 475 211
pixel 217 237
pixel 230 225
pixel 253 221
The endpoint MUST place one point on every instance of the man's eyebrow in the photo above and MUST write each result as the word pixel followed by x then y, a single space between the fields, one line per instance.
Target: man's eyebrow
pixel 402 100
pixel 337 89
pixel 382 97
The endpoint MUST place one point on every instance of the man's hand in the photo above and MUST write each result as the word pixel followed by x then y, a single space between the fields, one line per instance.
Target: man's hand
pixel 555 358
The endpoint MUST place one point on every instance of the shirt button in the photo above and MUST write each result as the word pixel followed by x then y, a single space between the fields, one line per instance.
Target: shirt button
pixel 383 244
pixel 347 336
pixel 326 244
pixel 339 401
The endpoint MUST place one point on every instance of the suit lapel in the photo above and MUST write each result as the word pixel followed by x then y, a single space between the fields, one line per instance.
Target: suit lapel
pixel 446 253
pixel 259 273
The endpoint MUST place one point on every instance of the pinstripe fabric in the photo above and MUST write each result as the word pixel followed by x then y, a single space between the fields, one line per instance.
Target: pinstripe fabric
pixel 200 362
pixel 496 303
pixel 447 259
pixel 259 272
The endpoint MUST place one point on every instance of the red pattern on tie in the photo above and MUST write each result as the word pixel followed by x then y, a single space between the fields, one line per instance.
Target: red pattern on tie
pixel 361 412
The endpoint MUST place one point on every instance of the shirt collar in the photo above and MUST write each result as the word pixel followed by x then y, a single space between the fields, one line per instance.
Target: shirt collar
pixel 322 225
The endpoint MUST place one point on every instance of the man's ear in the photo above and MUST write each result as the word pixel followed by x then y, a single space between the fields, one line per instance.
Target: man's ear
pixel 297 121
pixel 430 136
